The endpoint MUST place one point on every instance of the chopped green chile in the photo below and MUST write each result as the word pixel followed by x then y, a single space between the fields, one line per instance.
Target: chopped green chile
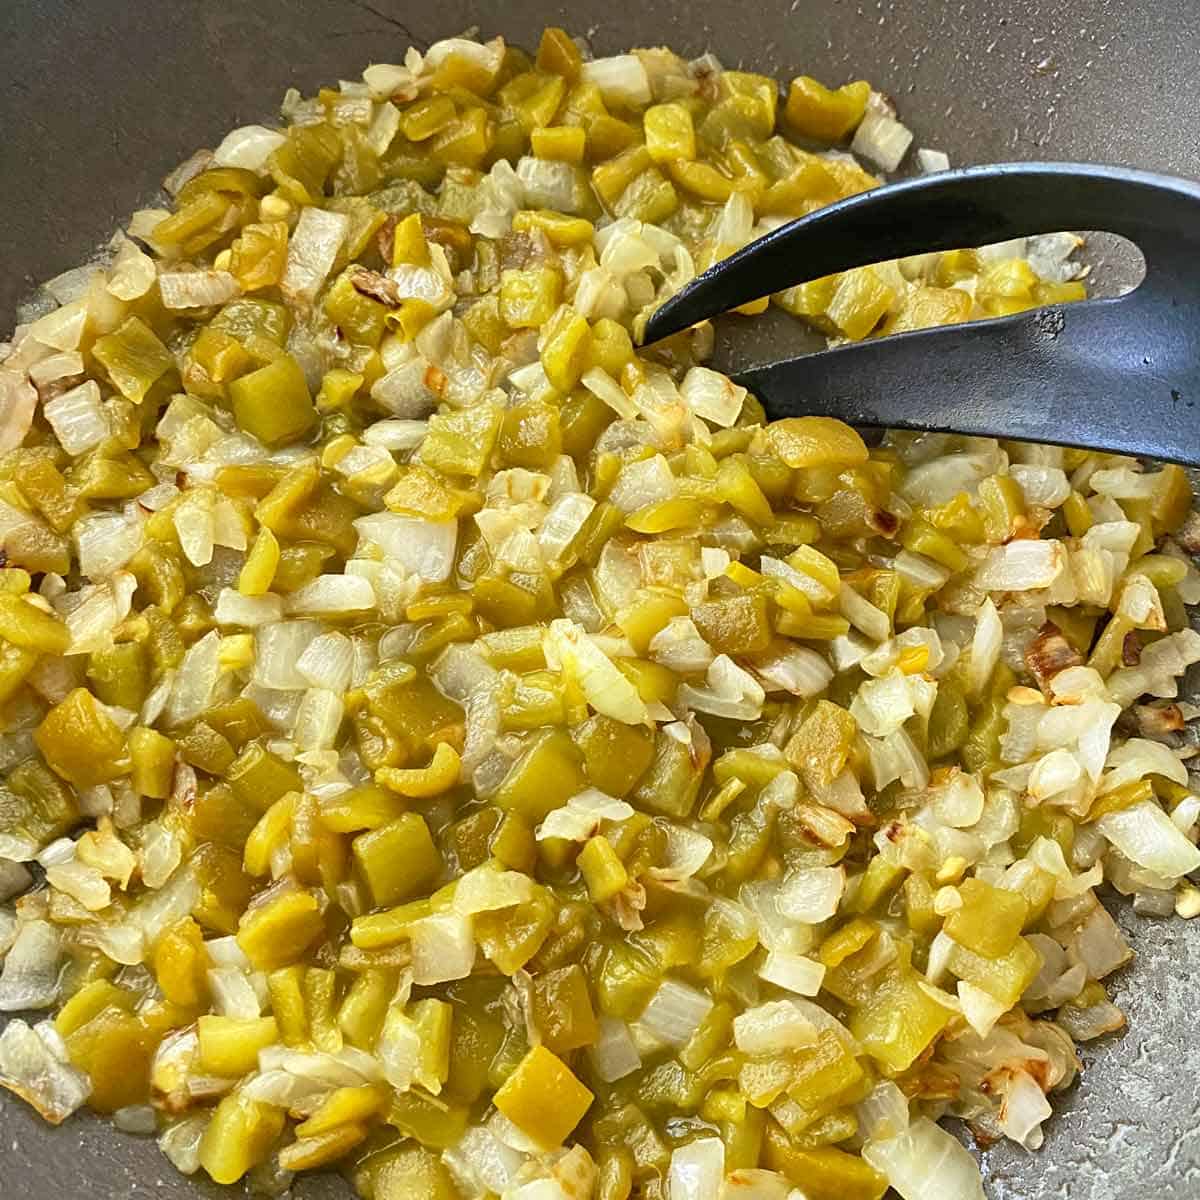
pixel 459 743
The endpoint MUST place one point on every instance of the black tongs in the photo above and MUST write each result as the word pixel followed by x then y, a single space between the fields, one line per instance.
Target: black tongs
pixel 1117 374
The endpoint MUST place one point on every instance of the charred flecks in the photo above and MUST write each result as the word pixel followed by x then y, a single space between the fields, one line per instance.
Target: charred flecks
pixel 1131 649
pixel 1049 653
pixel 378 287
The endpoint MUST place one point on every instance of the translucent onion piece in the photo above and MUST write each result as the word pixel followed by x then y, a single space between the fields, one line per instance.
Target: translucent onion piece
pixel 312 249
pixel 34 1065
pixel 675 1012
pixel 697 1170
pixel 773 1028
pixel 77 418
pixel 926 1163
pixel 31 968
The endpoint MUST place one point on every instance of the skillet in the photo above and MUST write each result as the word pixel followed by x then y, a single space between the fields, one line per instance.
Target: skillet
pixel 101 99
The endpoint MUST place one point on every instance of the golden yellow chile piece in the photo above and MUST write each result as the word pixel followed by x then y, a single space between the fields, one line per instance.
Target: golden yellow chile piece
pixel 398 860
pixel 543 1098
pixel 561 143
pixel 81 742
pixel 528 298
pixel 229 1046
pixel 825 115
pixel 91 999
pixel 134 358
pixel 363 807
pixel 439 776
pixel 990 919
pixel 1004 978
pixel 408 1173
pixel 152 755
pixel 273 403
pixel 825 1172
pixel 180 963
pixel 565 348
pixel 409 246
pixel 270 833
pixel 342 1106
pixel 286 988
pixel 603 872
pixel 670 135
pixel 239 1136
pixel 259 256
pixel 899 1020
pixel 24 624
pixel 815 441
pixel 280 930
pixel 308 1153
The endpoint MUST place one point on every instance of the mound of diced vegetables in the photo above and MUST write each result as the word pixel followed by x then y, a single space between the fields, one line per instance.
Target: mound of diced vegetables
pixel 443 741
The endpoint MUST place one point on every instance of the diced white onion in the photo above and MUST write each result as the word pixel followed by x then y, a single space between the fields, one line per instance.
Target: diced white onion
pixel 1047 487
pixel 863 615
pixel 713 396
pixel 195 680
pixel 731 692
pixel 882 139
pixel 18 403
pixel 881 706
pixel 405 392
pixel 679 646
pixel 568 646
pixel 1148 837
pixel 422 548
pixel 981 1009
pixel 925 1162
pixel 622 80
pixel 248 147
pixel 675 1012
pixel 985 647
pixel 642 483
pixel 31 968
pixel 233 994
pixel 82 883
pixel 443 948
pixel 581 817
pixel 248 612
pixel 105 542
pixel 811 894
pixel 773 1028
pixel 550 184
pixel 793 972
pixel 181 290
pixel 1023 1110
pixel 614 1053
pixel 34 1064
pixel 562 523
pixel 884 1113
pixel 77 418
pixel 396 435
pixel 277 651
pixel 1022 565
pixel 697 1169
pixel 921 571
pixel 180 1143
pixel 486 1162
pixel 312 250
pixel 133 272
pixel 930 161
pixel 318 720
pixel 327 661
pixel 332 596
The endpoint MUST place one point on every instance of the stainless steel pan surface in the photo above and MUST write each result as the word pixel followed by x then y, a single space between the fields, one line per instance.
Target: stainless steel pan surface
pixel 101 99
